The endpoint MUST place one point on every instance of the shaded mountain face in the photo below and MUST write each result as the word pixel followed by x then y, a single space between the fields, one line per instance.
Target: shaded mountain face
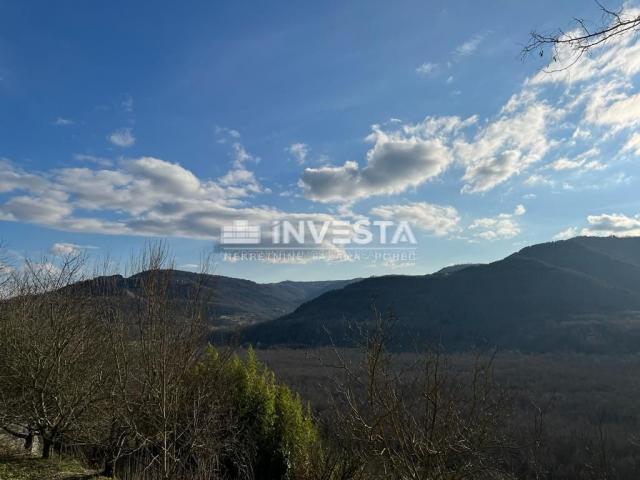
pixel 581 294
pixel 230 302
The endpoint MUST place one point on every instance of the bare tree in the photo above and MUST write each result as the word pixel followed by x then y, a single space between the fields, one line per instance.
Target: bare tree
pixel 583 36
pixel 419 421
pixel 114 367
pixel 51 360
pixel 160 413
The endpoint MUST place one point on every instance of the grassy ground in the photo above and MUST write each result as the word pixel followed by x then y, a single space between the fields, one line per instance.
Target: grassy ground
pixel 17 466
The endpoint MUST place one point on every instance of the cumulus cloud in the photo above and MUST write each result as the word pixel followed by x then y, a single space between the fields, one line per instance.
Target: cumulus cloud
pixel 566 234
pixel 399 159
pixel 140 196
pixel 409 155
pixel 62 249
pixel 500 227
pixel 244 180
pixel 612 224
pixel 507 146
pixel 299 151
pixel 597 104
pixel 601 83
pixel 36 209
pixel 619 56
pixel 13 178
pixel 123 138
pixel 435 219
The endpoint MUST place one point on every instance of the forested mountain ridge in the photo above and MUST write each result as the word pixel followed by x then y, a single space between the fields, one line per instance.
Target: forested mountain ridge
pixel 579 294
pixel 230 301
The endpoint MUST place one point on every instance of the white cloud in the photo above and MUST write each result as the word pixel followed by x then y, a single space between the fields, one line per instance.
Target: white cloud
pixel 470 46
pixel 190 266
pixel 537 180
pixel 127 104
pixel 102 161
pixel 241 156
pixel 601 83
pixel 243 179
pixel 612 224
pixel 580 133
pixel 500 227
pixel 225 133
pixel 598 102
pixel 619 56
pixel 399 159
pixel 63 249
pixel 392 167
pixel 141 196
pixel 508 145
pixel 411 154
pixel 299 151
pixel 611 105
pixel 633 144
pixel 566 234
pixel 40 209
pixel 427 69
pixel 565 164
pixel 123 138
pixel 15 178
pixel 594 165
pixel 436 219
pixel 581 162
pixel 63 122
pixel 168 178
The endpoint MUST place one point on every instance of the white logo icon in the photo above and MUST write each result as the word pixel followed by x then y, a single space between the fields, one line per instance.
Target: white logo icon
pixel 240 233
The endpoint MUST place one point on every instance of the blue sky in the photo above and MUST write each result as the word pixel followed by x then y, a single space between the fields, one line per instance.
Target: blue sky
pixel 123 121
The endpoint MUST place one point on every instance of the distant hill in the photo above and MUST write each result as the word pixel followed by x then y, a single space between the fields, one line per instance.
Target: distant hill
pixel 580 294
pixel 231 301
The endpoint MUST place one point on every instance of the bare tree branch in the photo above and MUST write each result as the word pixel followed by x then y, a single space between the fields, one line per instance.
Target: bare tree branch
pixel 582 38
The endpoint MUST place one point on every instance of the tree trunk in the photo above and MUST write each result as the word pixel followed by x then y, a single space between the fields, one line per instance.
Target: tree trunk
pixel 28 442
pixel 109 468
pixel 46 447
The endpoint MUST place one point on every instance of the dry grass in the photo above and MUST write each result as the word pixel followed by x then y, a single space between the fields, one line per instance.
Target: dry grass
pixel 18 466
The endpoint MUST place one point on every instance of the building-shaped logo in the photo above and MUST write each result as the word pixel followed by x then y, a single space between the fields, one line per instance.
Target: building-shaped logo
pixel 240 232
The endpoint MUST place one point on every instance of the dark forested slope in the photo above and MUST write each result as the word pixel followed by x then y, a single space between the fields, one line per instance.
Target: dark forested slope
pixel 231 301
pixel 578 294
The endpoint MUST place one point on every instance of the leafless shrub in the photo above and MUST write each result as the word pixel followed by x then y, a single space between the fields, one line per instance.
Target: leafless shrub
pixel 419 422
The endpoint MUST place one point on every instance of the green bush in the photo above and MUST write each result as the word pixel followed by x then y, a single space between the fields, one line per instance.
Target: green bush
pixel 276 427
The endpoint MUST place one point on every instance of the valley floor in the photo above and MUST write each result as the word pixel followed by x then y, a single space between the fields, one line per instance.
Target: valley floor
pixel 15 465
pixel 587 403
